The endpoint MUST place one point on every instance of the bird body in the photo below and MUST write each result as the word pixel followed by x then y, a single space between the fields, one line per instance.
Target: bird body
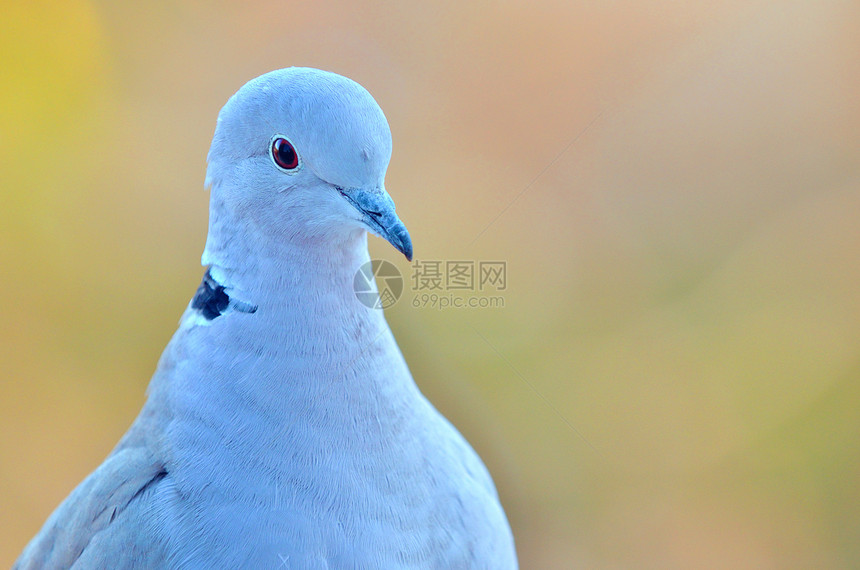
pixel 282 426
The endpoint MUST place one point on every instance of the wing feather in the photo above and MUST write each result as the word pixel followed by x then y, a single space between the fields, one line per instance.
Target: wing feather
pixel 111 493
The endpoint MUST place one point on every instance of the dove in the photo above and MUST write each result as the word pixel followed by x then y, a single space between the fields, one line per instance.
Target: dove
pixel 282 427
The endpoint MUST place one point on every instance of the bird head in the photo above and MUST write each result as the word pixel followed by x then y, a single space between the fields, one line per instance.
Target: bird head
pixel 301 154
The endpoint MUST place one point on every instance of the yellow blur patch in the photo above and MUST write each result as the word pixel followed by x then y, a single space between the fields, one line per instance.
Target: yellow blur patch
pixel 53 62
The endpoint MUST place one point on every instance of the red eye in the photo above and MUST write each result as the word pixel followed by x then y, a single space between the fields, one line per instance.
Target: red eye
pixel 284 154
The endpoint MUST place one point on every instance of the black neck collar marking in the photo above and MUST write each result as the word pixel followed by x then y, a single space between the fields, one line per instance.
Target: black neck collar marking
pixel 212 300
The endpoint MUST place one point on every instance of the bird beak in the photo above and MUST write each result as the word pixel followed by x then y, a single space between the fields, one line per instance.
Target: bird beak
pixel 377 210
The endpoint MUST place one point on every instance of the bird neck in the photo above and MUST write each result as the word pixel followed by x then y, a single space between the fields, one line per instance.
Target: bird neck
pixel 296 287
pixel 292 266
pixel 310 359
pixel 304 332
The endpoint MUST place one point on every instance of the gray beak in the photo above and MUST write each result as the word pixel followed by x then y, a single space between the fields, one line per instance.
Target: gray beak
pixel 377 210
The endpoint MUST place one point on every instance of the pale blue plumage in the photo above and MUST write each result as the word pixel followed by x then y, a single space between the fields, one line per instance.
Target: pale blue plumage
pixel 286 430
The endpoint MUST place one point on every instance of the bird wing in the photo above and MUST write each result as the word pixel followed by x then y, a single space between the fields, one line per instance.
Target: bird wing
pixel 93 517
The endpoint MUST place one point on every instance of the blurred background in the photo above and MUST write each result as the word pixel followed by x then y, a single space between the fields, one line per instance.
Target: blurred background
pixel 674 379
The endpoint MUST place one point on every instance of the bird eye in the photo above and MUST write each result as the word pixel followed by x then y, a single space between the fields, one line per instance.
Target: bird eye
pixel 284 154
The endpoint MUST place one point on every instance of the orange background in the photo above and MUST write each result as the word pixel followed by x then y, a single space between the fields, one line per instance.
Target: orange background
pixel 674 381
